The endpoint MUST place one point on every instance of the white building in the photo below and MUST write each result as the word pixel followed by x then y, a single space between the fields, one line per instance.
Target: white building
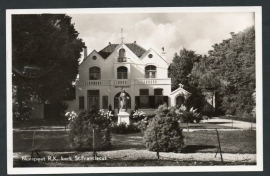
pixel 142 73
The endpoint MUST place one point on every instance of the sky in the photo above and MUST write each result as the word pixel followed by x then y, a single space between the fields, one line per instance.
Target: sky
pixel 173 31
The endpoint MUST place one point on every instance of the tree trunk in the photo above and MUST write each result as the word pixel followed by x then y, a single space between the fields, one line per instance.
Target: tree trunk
pixel 20 99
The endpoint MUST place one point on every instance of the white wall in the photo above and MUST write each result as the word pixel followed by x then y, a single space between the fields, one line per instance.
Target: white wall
pixel 136 69
pixel 136 66
pixel 104 64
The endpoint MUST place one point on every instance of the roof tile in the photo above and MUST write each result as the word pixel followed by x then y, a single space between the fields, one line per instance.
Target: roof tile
pixel 136 49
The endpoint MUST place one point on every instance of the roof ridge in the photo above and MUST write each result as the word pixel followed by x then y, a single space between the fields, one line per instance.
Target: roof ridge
pixel 108 46
pixel 140 46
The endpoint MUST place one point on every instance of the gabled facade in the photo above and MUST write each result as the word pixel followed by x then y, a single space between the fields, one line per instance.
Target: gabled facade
pixel 142 73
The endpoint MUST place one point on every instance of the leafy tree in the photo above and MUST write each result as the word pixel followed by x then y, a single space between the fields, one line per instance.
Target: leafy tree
pixel 90 131
pixel 230 68
pixel 202 76
pixel 45 53
pixel 181 67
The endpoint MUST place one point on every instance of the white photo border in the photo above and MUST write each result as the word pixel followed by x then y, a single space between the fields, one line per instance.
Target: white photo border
pixel 55 170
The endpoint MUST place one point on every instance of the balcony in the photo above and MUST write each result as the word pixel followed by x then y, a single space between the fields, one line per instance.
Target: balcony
pixel 125 82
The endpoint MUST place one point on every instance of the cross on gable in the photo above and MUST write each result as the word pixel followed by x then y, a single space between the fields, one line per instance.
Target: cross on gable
pixel 122 37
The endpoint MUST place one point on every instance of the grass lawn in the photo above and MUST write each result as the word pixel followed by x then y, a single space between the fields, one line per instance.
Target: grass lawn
pixel 230 141
pixel 46 124
pixel 206 126
pixel 198 141
pixel 128 150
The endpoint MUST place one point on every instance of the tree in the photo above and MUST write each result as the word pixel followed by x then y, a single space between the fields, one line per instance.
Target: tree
pixel 230 68
pixel 181 67
pixel 45 53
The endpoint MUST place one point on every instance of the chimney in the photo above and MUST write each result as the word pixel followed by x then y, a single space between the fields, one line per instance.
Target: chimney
pixel 85 52
pixel 163 54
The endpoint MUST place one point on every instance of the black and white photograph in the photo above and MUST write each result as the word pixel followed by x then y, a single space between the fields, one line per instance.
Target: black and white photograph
pixel 121 90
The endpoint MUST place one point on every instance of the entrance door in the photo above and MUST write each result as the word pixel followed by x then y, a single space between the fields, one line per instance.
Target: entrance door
pixel 93 99
pixel 93 102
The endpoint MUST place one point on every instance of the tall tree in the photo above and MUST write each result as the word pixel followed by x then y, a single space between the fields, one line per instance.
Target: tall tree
pixel 45 53
pixel 230 68
pixel 181 67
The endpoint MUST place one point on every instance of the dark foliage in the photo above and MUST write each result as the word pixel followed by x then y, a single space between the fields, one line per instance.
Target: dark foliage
pixel 45 53
pixel 142 124
pixel 57 111
pixel 163 134
pixel 84 126
pixel 181 67
pixel 230 69
pixel 123 128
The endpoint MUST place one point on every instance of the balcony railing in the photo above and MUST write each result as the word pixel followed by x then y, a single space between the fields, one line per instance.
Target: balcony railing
pixel 125 82
pixel 153 81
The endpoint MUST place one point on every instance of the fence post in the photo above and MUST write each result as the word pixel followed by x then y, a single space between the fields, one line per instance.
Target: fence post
pixel 232 123
pixel 94 153
pixel 251 125
pixel 219 147
pixel 156 141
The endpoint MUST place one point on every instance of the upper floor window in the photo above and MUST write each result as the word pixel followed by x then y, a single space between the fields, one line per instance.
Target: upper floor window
pixel 94 73
pixel 122 73
pixel 122 55
pixel 150 71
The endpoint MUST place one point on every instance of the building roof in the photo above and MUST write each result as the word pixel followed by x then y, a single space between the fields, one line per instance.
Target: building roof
pixel 136 49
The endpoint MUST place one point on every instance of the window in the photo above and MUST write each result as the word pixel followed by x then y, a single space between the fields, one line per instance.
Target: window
pixel 122 55
pixel 94 73
pixel 81 102
pixel 105 102
pixel 150 71
pixel 144 98
pixel 122 73
pixel 158 97
pixel 150 56
pixel 94 57
pixel 93 99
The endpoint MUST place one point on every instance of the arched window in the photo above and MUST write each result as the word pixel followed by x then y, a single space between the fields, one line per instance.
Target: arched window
pixel 94 73
pixel 150 71
pixel 122 55
pixel 122 72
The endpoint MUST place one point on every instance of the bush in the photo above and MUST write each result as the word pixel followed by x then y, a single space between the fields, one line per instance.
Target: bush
pixel 188 116
pixel 142 125
pixel 123 128
pixel 26 112
pixel 138 115
pixel 81 131
pixel 163 134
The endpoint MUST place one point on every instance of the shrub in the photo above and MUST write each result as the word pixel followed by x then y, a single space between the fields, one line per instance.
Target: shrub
pixel 163 134
pixel 138 115
pixel 188 116
pixel 26 112
pixel 162 110
pixel 81 131
pixel 123 128
pixel 142 125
